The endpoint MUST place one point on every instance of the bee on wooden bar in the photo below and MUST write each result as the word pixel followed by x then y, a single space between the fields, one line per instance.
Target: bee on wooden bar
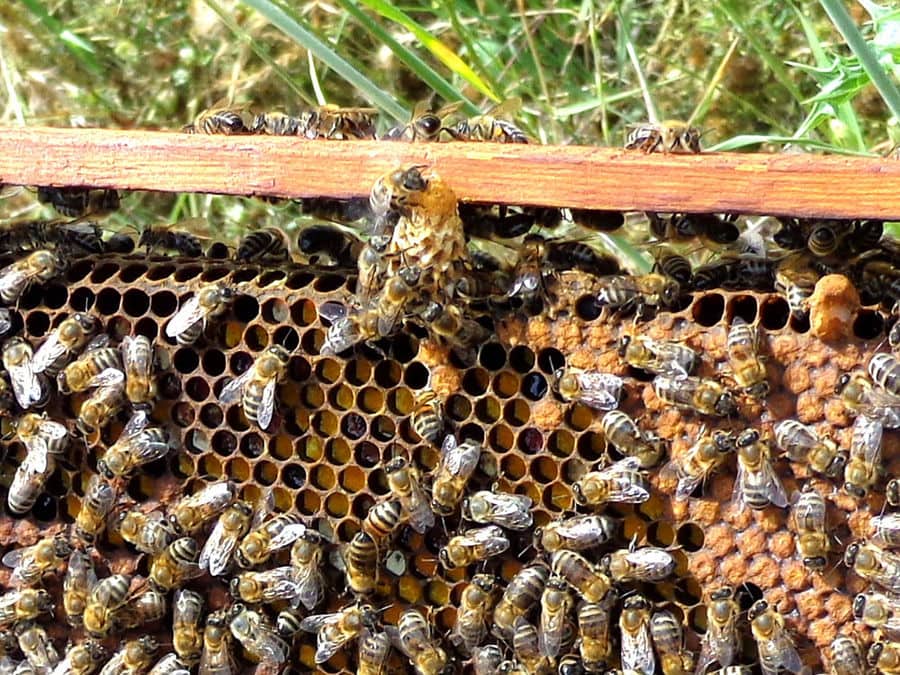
pixel 275 124
pixel 423 125
pixel 666 136
pixel 218 120
pixel 490 126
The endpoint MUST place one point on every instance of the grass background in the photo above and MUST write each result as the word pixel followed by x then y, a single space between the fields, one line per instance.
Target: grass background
pixel 783 77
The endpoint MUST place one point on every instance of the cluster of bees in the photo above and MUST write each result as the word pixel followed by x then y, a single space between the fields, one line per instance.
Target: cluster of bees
pixel 422 258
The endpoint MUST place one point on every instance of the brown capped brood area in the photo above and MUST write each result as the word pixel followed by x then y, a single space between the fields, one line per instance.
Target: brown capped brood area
pixel 348 403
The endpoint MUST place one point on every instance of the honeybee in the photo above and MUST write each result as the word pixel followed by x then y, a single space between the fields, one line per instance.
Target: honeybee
pixel 147 532
pixel 885 530
pixel 884 656
pixel 269 243
pixel 556 603
pixel 884 369
pixel 796 281
pixel 82 658
pixel 874 564
pixel 372 652
pixel 620 482
pixel 878 610
pixel 426 419
pixel 346 329
pixel 665 136
pixel 69 337
pixel 230 528
pixel 134 657
pixel 864 465
pixel 582 575
pixel 700 395
pixel 104 403
pixel 719 644
pixel 107 596
pixel 642 564
pixel 601 391
pixel 809 519
pixel 521 594
pixel 645 294
pixel 177 564
pixel 306 559
pixel 256 386
pixel 489 126
pixel 361 563
pixel 458 463
pixel 594 644
pixel 168 237
pixel 329 245
pixel 634 625
pixel 383 519
pixel 756 484
pixel 576 533
pixel 526 644
pixel 700 461
pixel 335 630
pixel 137 358
pixel 660 357
pixel 275 124
pixel 473 546
pixel 19 276
pixel 99 499
pixel 743 355
pixel 23 604
pixel 218 120
pixel 449 323
pixel 80 579
pixel 801 444
pixel 31 563
pixel 18 359
pixel 187 639
pixel 191 512
pixel 499 508
pixel 86 371
pixel 216 657
pixel 37 647
pixel 425 655
pixel 44 441
pixel 423 124
pixel 270 536
pixel 141 608
pixel 75 202
pixel 169 664
pixel 474 612
pixel 668 639
pixel 76 238
pixel 776 648
pixel 139 444
pixel 335 123
pixel 405 485
pixel 287 623
pixel 623 432
pixel 486 659
pixel 208 302
pixel 257 636
pixel 846 657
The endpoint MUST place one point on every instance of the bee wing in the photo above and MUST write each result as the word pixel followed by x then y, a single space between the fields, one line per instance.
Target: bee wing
pixel 267 405
pixel 774 489
pixel 867 437
pixel 637 651
pixel 886 529
pixel 25 383
pixel 287 536
pixel 511 511
pixel 12 275
pixel 625 465
pixel 137 423
pixel 272 649
pixel 490 539
pixel 333 311
pixel 133 356
pixel 36 462
pixel 460 460
pixel 309 586
pixel 217 550
pixel 740 485
pixel 49 351
pixel 12 558
pixel 314 622
pixel 550 633
pixel 111 377
pixel 189 314
pixel 652 563
pixel 232 391
pixel 421 517
pixel 783 655
pixel 279 582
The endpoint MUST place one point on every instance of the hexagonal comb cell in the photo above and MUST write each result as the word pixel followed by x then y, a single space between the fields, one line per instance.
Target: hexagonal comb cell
pixel 343 424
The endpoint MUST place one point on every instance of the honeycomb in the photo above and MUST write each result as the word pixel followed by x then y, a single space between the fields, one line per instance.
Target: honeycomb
pixel 339 419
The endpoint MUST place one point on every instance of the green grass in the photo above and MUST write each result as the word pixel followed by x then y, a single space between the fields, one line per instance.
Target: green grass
pixel 780 75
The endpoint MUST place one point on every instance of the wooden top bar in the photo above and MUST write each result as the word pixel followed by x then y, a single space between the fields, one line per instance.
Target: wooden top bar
pixel 573 176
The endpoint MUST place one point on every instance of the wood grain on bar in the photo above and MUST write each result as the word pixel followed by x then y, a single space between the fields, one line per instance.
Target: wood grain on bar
pixel 573 176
